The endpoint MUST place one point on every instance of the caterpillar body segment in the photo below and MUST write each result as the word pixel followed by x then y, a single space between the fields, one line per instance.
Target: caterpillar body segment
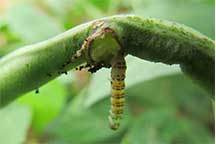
pixel 118 70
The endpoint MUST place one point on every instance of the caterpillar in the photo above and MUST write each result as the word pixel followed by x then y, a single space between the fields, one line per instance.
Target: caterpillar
pixel 118 69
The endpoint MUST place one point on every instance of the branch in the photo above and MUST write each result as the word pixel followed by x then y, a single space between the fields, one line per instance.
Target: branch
pixel 155 40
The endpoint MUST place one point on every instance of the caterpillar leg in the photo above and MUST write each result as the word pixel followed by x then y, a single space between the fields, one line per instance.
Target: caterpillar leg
pixel 114 121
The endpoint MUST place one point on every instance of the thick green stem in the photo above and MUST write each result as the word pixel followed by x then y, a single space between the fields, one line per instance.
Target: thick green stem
pixel 159 41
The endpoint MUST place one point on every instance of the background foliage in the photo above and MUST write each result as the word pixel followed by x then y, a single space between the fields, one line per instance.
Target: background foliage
pixel 163 106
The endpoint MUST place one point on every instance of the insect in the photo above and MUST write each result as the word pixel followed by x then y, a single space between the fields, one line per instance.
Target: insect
pixel 37 91
pixel 118 70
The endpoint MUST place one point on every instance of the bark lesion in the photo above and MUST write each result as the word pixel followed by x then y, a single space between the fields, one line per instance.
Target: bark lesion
pixel 99 31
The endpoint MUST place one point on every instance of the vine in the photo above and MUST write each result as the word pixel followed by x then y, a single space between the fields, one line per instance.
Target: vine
pixel 155 40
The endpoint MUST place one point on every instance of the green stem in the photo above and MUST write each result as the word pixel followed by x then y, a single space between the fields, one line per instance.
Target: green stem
pixel 159 41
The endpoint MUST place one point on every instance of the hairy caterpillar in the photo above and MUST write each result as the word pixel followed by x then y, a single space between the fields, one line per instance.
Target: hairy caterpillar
pixel 118 70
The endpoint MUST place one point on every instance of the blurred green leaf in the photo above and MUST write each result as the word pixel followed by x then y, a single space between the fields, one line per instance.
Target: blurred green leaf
pixel 46 104
pixel 146 128
pixel 3 24
pixel 162 126
pixel 137 71
pixel 172 92
pixel 8 40
pixel 198 14
pixel 9 48
pixel 102 5
pixel 79 125
pixel 90 10
pixel 59 7
pixel 169 95
pixel 14 124
pixel 166 122
pixel 31 24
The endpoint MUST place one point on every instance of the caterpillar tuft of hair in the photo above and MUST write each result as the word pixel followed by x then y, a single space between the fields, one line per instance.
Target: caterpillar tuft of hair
pixel 118 70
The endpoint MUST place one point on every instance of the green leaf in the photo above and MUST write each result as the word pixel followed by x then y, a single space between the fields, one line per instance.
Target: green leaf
pixel 163 126
pixel 14 124
pixel 101 5
pixel 3 23
pixel 89 8
pixel 60 8
pixel 159 116
pixel 137 71
pixel 31 24
pixel 174 92
pixel 46 104
pixel 80 125
pixel 9 48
